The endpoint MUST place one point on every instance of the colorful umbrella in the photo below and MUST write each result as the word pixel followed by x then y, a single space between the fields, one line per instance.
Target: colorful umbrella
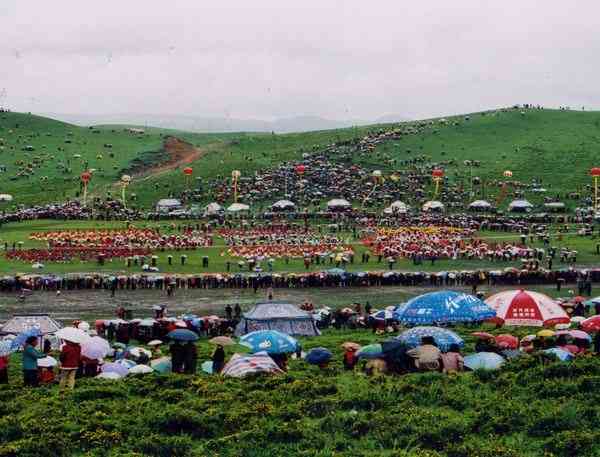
pixel 545 333
pixel 443 307
pixel 161 365
pixel 222 341
pixel 183 335
pixel 577 334
pixel 270 341
pixel 6 348
pixel 561 354
pixel 484 361
pixel 20 339
pixel 483 335
pixel 318 356
pixel 370 351
pixel 521 307
pixel 443 337
pixel 507 341
pixel 240 366
pixel 591 325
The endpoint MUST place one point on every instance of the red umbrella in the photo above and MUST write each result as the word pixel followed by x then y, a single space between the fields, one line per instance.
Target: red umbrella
pixel 483 335
pixel 591 325
pixel 507 341
pixel 578 299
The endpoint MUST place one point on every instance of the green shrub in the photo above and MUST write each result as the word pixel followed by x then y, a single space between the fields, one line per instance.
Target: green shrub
pixel 164 446
pixel 177 420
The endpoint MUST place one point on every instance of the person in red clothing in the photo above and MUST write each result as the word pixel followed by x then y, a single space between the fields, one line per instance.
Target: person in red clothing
pixel 4 369
pixel 70 356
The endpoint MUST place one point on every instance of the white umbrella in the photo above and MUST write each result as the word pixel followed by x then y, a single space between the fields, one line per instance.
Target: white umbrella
pixel 6 198
pixel 95 348
pixel 155 343
pixel 110 375
pixel 433 205
pixel 137 352
pixel 338 203
pixel 83 325
pixel 47 362
pixel 140 369
pixel 72 334
pixel 236 207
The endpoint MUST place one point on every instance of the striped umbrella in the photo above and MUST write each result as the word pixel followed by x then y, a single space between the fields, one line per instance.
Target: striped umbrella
pixel 241 366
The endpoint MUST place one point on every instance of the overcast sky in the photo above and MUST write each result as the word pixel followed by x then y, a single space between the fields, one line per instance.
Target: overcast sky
pixel 275 58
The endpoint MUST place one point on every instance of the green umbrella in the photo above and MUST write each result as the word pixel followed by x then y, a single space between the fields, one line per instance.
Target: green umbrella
pixel 162 365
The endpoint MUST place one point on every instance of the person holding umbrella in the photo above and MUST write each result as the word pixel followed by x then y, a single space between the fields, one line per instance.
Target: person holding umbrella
pixel 30 358
pixel 190 358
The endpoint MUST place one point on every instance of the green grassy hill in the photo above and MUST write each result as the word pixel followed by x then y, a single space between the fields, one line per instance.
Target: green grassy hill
pixel 556 147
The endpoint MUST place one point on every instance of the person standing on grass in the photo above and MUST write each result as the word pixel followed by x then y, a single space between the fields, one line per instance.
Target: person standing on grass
pixel 30 365
pixel 4 360
pixel 218 359
pixel 70 357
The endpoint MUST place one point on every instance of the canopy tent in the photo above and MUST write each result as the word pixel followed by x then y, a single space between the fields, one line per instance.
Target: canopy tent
pixel 480 205
pixel 523 307
pixel 433 205
pixel 20 323
pixel 520 206
pixel 213 209
pixel 166 205
pixel 237 207
pixel 338 203
pixel 397 207
pixel 284 317
pixel 283 205
pixel 443 307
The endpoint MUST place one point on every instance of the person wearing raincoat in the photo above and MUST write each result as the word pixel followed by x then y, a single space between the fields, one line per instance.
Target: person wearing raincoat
pixel 30 365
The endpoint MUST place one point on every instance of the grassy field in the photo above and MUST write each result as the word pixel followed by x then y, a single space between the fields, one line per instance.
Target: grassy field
pixel 532 407
pixel 555 147
pixel 218 256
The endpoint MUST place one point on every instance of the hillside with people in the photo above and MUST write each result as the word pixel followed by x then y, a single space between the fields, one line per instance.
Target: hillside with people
pixel 43 159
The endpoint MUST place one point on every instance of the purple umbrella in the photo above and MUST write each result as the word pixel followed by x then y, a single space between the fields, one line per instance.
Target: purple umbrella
pixel 118 368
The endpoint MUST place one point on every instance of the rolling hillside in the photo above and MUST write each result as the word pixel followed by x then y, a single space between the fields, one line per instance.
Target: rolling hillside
pixel 43 158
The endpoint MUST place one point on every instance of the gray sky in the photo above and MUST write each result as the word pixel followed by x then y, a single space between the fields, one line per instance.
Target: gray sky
pixel 275 58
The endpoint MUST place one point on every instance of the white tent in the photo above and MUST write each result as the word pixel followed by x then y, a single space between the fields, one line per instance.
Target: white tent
pixel 166 205
pixel 338 203
pixel 520 206
pixel 212 209
pixel 397 207
pixel 480 205
pixel 433 205
pixel 237 207
pixel 283 205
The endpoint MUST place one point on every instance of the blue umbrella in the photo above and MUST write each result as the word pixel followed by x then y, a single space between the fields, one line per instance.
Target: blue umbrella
pixel 182 335
pixel 20 339
pixel 6 348
pixel 317 356
pixel 484 361
pixel 444 338
pixel 443 307
pixel 336 272
pixel 560 354
pixel 271 341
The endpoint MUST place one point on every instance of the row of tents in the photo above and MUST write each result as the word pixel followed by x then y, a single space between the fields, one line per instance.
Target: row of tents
pixel 170 205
